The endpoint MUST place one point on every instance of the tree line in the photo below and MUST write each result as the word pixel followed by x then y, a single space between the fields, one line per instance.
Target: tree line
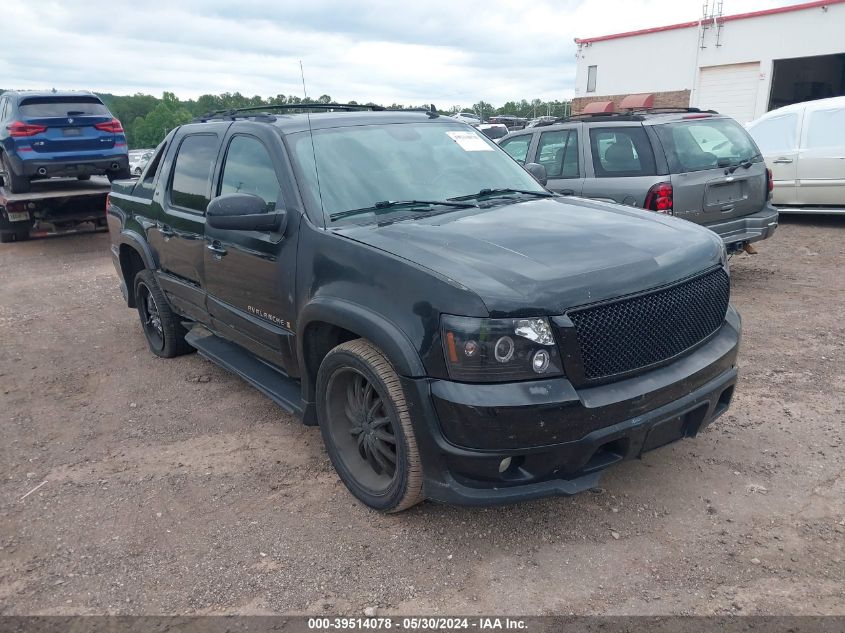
pixel 147 119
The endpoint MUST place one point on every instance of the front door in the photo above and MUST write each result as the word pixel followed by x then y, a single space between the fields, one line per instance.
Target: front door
pixel 177 235
pixel 250 274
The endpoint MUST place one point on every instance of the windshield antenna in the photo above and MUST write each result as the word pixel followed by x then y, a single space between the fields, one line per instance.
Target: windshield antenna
pixel 313 148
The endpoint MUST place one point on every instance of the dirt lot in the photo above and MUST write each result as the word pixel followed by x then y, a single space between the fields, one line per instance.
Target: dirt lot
pixel 172 487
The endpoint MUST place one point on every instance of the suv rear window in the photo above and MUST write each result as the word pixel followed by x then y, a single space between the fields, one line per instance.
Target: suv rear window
pixel 61 106
pixel 700 144
pixel 621 151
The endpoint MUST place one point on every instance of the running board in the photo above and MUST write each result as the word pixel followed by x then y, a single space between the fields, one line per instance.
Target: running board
pixel 281 389
pixel 811 210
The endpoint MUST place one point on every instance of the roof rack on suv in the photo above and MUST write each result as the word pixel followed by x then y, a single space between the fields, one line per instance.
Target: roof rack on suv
pixel 262 111
pixel 631 114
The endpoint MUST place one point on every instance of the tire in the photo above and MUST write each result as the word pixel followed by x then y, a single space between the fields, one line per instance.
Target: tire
pixel 18 235
pixel 120 174
pixel 137 171
pixel 356 383
pixel 14 182
pixel 162 328
pixel 84 177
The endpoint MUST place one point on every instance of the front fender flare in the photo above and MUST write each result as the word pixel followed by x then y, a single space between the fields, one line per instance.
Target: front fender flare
pixel 367 324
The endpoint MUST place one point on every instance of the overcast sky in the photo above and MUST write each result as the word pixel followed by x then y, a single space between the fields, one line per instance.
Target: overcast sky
pixel 447 52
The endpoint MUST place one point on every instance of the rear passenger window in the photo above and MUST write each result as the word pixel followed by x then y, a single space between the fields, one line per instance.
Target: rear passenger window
pixel 192 172
pixel 517 147
pixel 826 129
pixel 558 153
pixel 776 134
pixel 249 169
pixel 621 151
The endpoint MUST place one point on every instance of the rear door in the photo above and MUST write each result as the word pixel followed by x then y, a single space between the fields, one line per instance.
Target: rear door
pixel 777 138
pixel 620 164
pixel 250 274
pixel 177 235
pixel 708 186
pixel 70 124
pixel 559 152
pixel 821 160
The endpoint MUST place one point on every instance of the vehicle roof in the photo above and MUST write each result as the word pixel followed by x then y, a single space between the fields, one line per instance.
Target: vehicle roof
pixel 643 118
pixel 816 104
pixel 49 93
pixel 293 123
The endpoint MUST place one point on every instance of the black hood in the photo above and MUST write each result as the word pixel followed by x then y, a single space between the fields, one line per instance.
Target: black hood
pixel 544 256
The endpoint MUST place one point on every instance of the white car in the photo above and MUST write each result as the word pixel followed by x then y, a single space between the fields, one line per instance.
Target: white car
pixel 804 146
pixel 138 159
pixel 467 117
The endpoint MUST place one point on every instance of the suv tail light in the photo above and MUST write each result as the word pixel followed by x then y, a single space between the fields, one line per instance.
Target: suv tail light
pixel 112 126
pixel 19 128
pixel 770 183
pixel 659 198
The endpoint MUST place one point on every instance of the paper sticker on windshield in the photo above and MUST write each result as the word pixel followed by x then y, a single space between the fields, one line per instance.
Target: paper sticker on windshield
pixel 470 141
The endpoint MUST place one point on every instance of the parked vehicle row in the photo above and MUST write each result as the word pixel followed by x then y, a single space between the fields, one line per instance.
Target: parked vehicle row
pixel 698 166
pixel 457 331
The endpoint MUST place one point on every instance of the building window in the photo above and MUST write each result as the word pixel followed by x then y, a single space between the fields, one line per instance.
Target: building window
pixel 591 78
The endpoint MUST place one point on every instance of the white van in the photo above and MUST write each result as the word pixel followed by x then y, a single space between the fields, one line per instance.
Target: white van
pixel 804 146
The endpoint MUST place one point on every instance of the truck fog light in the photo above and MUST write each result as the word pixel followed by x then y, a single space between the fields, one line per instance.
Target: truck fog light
pixel 503 351
pixel 504 464
pixel 540 361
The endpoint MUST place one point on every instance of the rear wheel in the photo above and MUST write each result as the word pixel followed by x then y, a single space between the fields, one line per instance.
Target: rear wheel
pixel 367 429
pixel 120 174
pixel 14 182
pixel 162 327
pixel 84 177
pixel 18 235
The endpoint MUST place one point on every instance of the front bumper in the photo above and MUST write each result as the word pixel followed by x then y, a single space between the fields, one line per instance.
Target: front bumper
pixel 560 439
pixel 751 228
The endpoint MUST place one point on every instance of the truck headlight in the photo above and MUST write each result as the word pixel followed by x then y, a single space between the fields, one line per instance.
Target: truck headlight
pixel 499 350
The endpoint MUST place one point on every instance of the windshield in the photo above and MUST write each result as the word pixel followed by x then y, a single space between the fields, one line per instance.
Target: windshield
pixel 361 166
pixel 706 143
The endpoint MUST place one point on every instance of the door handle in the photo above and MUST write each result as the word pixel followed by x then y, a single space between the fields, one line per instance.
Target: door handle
pixel 166 231
pixel 217 249
pixel 782 161
pixel 567 192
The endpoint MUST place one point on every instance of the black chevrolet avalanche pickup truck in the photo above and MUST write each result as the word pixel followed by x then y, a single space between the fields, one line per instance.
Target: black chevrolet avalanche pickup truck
pixel 457 332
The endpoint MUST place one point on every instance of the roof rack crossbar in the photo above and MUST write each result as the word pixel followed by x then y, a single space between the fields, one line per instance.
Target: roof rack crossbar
pixel 248 111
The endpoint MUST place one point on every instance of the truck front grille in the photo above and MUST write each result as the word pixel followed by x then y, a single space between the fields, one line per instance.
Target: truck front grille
pixel 628 334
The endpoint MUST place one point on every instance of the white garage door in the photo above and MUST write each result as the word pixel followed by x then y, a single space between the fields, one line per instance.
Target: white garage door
pixel 730 90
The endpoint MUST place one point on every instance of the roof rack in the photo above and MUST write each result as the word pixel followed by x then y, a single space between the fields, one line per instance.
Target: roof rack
pixel 632 114
pixel 256 111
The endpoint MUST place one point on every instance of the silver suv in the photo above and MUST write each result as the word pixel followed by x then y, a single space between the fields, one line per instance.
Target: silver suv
pixel 700 166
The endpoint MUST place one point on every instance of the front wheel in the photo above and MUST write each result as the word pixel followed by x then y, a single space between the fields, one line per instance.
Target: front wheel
pixel 163 329
pixel 83 177
pixel 367 429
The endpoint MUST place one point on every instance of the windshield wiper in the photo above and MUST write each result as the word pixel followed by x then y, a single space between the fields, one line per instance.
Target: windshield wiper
pixel 743 163
pixel 487 193
pixel 387 205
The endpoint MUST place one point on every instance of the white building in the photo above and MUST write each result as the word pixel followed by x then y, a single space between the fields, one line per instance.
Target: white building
pixel 740 65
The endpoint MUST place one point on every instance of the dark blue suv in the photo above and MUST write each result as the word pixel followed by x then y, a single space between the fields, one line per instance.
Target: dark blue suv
pixel 46 134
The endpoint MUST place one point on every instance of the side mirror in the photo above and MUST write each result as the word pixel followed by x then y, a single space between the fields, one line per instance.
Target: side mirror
pixel 538 171
pixel 245 212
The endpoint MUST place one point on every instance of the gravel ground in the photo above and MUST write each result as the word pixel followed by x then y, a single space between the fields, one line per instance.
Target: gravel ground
pixel 173 487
